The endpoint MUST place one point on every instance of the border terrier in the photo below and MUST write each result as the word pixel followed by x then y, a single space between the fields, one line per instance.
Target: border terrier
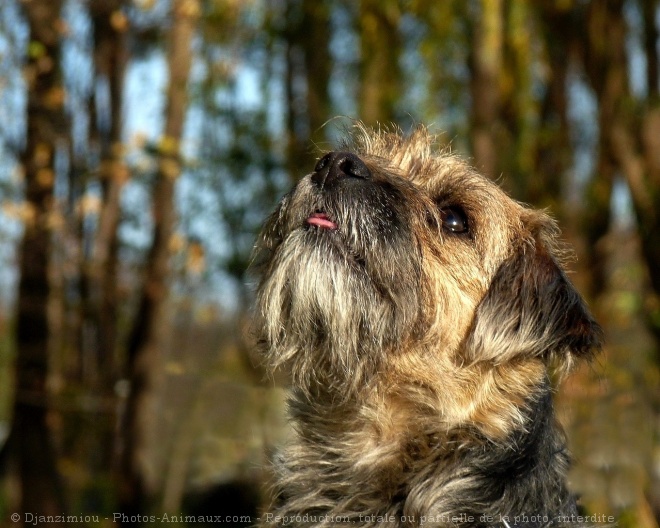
pixel 419 313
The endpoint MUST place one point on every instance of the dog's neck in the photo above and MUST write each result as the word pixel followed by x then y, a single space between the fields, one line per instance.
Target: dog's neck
pixel 350 461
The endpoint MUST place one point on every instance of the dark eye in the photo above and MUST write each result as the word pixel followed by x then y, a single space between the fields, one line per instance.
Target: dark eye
pixel 454 219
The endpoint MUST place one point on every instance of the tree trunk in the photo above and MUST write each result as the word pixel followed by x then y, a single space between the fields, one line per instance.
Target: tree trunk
pixel 29 445
pixel 485 67
pixel 308 64
pixel 110 57
pixel 137 480
pixel 318 64
pixel 651 35
pixel 380 72
pixel 94 329
pixel 554 156
pixel 628 141
pixel 635 142
pixel 605 65
pixel 297 126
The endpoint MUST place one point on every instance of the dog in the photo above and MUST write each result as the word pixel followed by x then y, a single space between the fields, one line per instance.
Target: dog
pixel 419 314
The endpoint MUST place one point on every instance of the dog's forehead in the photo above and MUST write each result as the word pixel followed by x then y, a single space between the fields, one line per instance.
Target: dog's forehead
pixel 441 175
pixel 449 181
pixel 417 159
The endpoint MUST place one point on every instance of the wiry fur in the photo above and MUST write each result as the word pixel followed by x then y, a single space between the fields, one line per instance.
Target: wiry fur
pixel 418 357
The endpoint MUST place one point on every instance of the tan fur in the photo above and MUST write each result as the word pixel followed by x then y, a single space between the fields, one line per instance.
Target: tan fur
pixel 408 345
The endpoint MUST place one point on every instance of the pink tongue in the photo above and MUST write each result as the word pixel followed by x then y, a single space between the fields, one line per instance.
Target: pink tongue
pixel 321 220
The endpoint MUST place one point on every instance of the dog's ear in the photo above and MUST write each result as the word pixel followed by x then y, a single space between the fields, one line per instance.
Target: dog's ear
pixel 532 310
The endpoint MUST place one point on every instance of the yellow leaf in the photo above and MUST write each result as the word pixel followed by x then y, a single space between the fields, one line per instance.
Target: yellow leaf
pixel 176 242
pixel 168 145
pixel 36 49
pixel 119 21
pixel 45 177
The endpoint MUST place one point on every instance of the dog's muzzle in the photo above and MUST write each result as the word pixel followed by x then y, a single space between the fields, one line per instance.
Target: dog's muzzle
pixel 331 171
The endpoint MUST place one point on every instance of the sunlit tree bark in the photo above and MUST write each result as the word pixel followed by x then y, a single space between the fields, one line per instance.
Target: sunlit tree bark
pixel 110 27
pixel 380 73
pixel 138 481
pixel 485 67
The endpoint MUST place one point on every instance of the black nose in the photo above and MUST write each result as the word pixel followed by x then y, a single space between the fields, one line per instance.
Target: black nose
pixel 338 165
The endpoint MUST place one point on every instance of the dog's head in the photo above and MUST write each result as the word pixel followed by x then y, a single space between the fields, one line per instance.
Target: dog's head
pixel 390 260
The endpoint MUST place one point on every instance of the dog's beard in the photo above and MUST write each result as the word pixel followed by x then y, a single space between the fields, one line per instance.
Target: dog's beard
pixel 332 303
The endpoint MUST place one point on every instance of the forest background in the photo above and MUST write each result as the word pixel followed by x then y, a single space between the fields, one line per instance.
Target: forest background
pixel 144 141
